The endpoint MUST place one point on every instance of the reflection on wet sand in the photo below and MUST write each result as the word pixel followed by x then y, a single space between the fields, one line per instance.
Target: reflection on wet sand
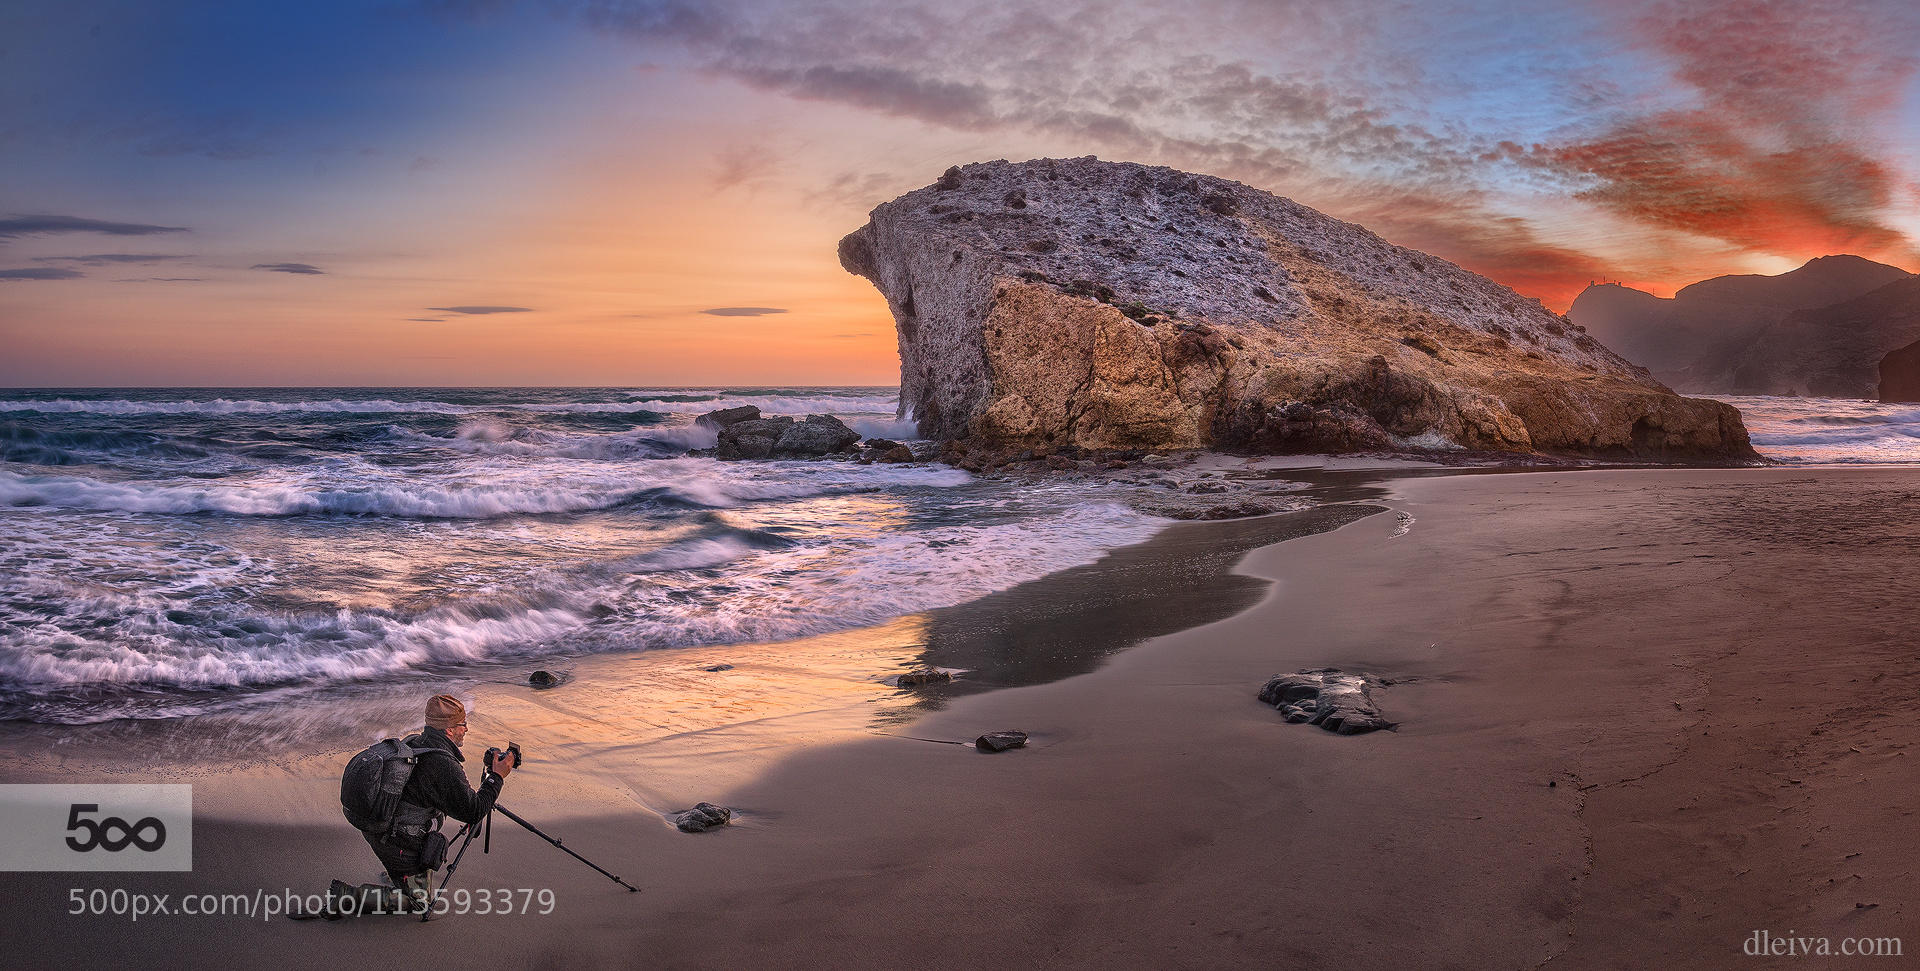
pixel 1067 623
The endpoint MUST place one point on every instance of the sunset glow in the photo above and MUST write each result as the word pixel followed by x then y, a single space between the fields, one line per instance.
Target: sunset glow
pixel 242 194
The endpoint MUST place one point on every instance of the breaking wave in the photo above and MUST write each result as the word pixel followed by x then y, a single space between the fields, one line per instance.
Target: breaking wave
pixel 77 655
pixel 521 495
pixel 1844 431
pixel 164 552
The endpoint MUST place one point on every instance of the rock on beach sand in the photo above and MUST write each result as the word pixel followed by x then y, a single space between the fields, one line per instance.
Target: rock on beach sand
pixel 1340 703
pixel 923 676
pixel 1000 741
pixel 703 817
pixel 1075 303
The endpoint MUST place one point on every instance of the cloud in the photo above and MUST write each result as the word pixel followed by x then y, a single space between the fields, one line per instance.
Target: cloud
pixel 159 279
pixel 302 268
pixel 103 259
pixel 1524 148
pixel 744 311
pixel 1099 79
pixel 862 191
pixel 483 310
pixel 887 90
pixel 741 164
pixel 1775 149
pixel 39 225
pixel 41 273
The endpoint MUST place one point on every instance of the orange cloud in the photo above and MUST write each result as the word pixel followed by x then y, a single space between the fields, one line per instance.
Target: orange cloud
pixel 1778 151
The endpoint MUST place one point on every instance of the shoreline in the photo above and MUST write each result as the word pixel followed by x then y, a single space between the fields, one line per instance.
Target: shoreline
pixel 1638 639
pixel 1056 626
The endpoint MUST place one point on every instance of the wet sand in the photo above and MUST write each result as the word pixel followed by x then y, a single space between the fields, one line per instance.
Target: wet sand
pixel 1712 669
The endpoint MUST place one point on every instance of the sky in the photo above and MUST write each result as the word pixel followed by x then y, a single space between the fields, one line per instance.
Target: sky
pixel 628 193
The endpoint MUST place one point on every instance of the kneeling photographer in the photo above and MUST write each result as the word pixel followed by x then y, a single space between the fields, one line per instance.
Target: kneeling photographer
pixel 398 792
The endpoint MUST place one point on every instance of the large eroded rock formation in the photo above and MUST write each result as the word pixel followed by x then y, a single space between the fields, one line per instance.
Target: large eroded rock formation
pixel 1074 302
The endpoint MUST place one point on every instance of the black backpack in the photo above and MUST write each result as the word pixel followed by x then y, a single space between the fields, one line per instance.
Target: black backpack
pixel 370 788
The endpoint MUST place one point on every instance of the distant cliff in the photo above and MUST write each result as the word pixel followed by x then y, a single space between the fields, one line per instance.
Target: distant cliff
pixel 1820 329
pixel 1061 303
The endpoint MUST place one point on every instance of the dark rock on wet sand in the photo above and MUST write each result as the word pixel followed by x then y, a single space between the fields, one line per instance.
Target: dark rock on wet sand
pixel 543 679
pixel 1339 703
pixel 914 679
pixel 703 817
pixel 1000 741
pixel 718 667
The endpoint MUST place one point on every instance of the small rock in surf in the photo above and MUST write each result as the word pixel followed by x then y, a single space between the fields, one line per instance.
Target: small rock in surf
pixel 914 679
pixel 1000 741
pixel 702 817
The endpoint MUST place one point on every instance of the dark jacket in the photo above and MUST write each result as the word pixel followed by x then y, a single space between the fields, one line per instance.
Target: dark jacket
pixel 441 784
pixel 437 787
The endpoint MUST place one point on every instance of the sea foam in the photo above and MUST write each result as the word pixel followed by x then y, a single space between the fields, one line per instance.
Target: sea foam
pixel 1842 431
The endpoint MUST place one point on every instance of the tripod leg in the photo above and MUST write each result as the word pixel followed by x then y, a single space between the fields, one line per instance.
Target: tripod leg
pixel 469 830
pixel 529 827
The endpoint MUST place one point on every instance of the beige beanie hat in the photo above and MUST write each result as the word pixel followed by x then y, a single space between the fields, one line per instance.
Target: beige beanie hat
pixel 444 712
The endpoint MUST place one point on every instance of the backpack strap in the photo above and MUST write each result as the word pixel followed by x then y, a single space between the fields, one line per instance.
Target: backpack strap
pixel 407 813
pixel 413 752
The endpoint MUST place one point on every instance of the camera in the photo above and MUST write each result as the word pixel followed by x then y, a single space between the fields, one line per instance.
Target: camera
pixel 513 749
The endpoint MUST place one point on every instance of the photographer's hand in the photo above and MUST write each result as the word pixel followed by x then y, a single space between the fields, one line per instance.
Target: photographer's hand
pixel 500 764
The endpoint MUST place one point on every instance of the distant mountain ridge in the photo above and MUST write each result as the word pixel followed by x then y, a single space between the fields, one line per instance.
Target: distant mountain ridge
pixel 1820 329
pixel 1818 282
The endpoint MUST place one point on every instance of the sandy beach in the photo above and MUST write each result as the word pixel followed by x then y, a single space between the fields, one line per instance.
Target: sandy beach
pixel 1642 714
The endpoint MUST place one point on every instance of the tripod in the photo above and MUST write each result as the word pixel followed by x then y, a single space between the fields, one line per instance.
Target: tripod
pixel 485 824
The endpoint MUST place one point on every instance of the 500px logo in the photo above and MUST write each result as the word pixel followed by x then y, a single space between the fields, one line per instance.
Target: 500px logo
pixel 100 833
pixel 96 827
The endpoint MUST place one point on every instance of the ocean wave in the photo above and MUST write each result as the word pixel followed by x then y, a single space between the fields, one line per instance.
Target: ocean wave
pixel 849 404
pixel 1820 431
pixel 155 644
pixel 475 501
pixel 528 491
pixel 78 446
pixel 207 554
pixel 812 589
pixel 97 640
pixel 897 429
pixel 482 436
